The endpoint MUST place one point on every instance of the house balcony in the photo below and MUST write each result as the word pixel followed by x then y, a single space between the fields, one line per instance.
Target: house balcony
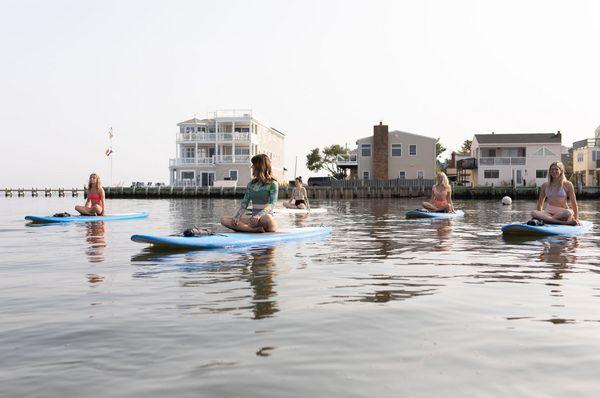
pixel 466 164
pixel 501 161
pixel 213 137
pixel 349 161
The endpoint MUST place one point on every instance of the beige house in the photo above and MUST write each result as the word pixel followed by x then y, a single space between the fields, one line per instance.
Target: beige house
pixel 217 150
pixel 519 159
pixel 586 161
pixel 391 154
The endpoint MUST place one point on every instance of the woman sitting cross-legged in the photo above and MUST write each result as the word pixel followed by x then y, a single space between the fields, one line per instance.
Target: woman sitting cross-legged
pixel 555 193
pixel 262 191
pixel 441 195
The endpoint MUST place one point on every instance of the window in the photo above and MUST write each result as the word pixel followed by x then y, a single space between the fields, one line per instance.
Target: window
pixel 201 129
pixel 242 151
pixel 541 174
pixel 366 149
pixel 595 155
pixel 543 151
pixel 419 175
pixel 580 157
pixel 365 175
pixel 188 175
pixel 233 175
pixel 396 149
pixel 491 174
pixel 402 175
pixel 412 150
pixel 187 152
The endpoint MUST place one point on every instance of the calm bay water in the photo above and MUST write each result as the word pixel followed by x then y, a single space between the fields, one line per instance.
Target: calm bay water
pixel 383 307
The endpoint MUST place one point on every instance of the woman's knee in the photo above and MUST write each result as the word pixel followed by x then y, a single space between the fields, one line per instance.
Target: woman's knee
pixel 268 223
pixel 225 221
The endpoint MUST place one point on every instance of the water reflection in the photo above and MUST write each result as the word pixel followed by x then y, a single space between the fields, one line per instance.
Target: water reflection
pixel 219 273
pixel 95 232
pixel 262 265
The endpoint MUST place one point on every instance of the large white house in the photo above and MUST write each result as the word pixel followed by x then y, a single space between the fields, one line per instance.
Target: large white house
pixel 520 159
pixel 219 149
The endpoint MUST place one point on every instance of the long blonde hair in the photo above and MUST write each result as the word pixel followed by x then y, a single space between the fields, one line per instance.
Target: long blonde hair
pixel 98 184
pixel 561 178
pixel 442 179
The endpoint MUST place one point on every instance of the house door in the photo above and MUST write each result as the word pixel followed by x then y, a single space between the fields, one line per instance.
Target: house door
pixel 208 178
pixel 517 176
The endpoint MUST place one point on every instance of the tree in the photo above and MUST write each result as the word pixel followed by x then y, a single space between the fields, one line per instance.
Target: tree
pixel 317 160
pixel 439 149
pixel 466 146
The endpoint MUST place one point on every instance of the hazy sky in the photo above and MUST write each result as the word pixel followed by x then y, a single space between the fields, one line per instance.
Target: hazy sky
pixel 322 72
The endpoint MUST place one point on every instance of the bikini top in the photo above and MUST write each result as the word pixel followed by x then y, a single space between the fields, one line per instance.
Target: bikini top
pixel 439 195
pixel 560 194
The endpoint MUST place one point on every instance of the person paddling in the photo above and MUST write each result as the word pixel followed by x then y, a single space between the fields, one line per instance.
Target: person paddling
pixel 94 205
pixel 555 192
pixel 262 191
pixel 299 197
pixel 441 196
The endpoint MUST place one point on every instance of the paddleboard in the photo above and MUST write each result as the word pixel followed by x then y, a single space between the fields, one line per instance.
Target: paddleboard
pixel 285 210
pixel 233 239
pixel 109 217
pixel 522 229
pixel 430 214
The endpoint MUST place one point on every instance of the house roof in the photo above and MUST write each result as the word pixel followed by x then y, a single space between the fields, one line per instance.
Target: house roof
pixel 534 138
pixel 402 132
pixel 194 121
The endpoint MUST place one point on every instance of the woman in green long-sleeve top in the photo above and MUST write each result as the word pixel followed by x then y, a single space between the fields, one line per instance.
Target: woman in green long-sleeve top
pixel 262 191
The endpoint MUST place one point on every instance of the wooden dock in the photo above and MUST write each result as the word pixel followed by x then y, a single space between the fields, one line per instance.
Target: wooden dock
pixel 47 192
pixel 377 192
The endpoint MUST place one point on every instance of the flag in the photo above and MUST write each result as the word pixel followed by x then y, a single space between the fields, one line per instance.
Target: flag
pixel 110 135
pixel 108 151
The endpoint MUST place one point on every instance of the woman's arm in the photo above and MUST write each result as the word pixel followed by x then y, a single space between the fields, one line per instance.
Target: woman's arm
pixel 541 197
pixel 449 199
pixel 245 201
pixel 571 195
pixel 102 201
pixel 305 193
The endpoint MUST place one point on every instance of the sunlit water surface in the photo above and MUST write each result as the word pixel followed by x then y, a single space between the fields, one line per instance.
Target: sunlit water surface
pixel 384 307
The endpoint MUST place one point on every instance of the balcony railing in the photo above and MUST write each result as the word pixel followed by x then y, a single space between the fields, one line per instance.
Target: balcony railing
pixel 501 161
pixel 233 158
pixel 192 161
pixel 347 160
pixel 212 137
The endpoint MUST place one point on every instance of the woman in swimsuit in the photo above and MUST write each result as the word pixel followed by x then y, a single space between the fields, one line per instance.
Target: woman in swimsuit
pixel 441 195
pixel 299 198
pixel 556 192
pixel 94 205
pixel 262 191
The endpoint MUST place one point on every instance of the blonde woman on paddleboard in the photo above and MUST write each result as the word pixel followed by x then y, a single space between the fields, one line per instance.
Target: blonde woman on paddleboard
pixel 555 192
pixel 441 196
pixel 94 205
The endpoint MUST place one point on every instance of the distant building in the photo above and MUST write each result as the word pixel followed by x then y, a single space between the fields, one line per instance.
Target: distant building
pixel 504 159
pixel 391 154
pixel 456 170
pixel 586 160
pixel 219 149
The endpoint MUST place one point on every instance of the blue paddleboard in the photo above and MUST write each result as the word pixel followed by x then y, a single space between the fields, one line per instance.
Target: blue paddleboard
pixel 110 217
pixel 521 229
pixel 233 239
pixel 431 214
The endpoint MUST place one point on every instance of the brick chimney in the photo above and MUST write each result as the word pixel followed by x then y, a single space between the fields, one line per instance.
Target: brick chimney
pixel 380 151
